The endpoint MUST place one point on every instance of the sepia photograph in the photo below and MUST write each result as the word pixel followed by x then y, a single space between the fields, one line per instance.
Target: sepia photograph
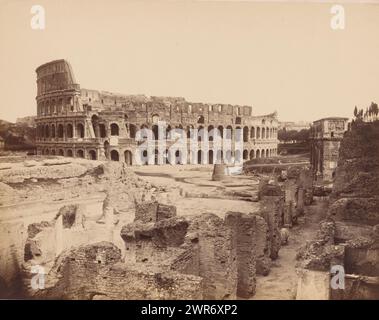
pixel 189 150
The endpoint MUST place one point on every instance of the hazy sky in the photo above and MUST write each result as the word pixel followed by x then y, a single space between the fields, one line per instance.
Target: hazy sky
pixel 272 56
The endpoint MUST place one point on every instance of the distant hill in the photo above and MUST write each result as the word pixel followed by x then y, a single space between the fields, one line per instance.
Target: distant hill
pixel 18 136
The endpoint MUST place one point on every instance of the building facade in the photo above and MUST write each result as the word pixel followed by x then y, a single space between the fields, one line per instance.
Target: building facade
pixel 93 124
pixel 326 135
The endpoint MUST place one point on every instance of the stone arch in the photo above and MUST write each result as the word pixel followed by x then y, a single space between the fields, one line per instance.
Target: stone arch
pixel 69 153
pixel 200 133
pixel 220 131
pixel 114 155
pixel 245 155
pixel 263 133
pixel 80 153
pixel 252 155
pixel 258 154
pixel 80 130
pixel 47 151
pixel 211 133
pixel 252 132
pixel 47 131
pixel 229 133
pixel 115 131
pixel 238 120
pixel 263 153
pixel 267 133
pixel 200 119
pixel 267 153
pixel 210 157
pixel 69 130
pixel 60 131
pixel 60 152
pixel 200 157
pixel 92 155
pixel 128 157
pixel 95 125
pixel 258 133
pixel 155 132
pixel 52 152
pixel 53 130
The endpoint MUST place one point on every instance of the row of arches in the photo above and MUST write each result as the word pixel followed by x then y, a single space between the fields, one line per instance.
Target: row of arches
pixel 212 131
pixel 54 106
pixel 77 153
pixel 46 131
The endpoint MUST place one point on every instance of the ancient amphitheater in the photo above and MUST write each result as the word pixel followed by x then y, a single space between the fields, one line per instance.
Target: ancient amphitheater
pixel 93 124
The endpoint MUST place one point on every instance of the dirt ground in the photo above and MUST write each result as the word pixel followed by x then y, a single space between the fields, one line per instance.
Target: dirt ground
pixel 281 283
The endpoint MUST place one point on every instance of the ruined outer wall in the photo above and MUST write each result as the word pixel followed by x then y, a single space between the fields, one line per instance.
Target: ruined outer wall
pixel 101 125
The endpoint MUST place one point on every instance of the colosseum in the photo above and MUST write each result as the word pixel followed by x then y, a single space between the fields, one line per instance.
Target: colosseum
pixel 93 124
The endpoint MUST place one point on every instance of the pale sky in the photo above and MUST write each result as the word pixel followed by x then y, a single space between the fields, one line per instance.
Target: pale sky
pixel 272 56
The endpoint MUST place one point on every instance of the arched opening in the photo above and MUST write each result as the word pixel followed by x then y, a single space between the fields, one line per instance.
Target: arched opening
pixel 178 157
pixel 258 154
pixel 221 131
pixel 263 133
pixel 199 157
pixel 92 155
pixel 245 134
pixel 258 133
pixel 60 131
pixel 114 155
pixel 155 132
pixel 47 152
pixel 114 130
pixel 263 153
pixel 200 119
pixel 267 133
pixel 103 132
pixel 252 132
pixel 251 154
pixel 60 152
pixel 128 157
pixel 210 156
pixel 200 133
pixel 69 131
pixel 47 131
pixel 245 155
pixel 106 149
pixel 239 134
pixel 267 153
pixel 53 130
pixel 53 152
pixel 210 133
pixel 229 133
pixel 132 131
pixel 80 130
pixel 69 153
pixel 80 153
pixel 238 120
pixel 168 132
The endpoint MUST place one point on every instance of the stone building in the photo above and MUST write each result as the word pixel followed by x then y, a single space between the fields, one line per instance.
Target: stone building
pixel 326 135
pixel 93 124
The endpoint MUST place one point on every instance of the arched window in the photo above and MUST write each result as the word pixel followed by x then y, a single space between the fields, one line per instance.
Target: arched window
pixel 238 120
pixel 245 134
pixel 69 153
pixel 80 153
pixel 92 155
pixel 128 157
pixel 69 131
pixel 252 133
pixel 80 130
pixel 211 133
pixel 53 130
pixel 251 154
pixel 114 129
pixel 245 155
pixel 60 130
pixel 200 119
pixel 114 155
pixel 210 156
pixel 60 152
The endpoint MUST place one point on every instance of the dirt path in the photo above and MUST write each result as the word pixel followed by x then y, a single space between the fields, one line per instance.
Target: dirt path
pixel 281 283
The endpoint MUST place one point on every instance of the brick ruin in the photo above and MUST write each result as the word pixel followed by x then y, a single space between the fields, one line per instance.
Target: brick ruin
pixel 349 236
pixel 164 256
pixel 93 124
